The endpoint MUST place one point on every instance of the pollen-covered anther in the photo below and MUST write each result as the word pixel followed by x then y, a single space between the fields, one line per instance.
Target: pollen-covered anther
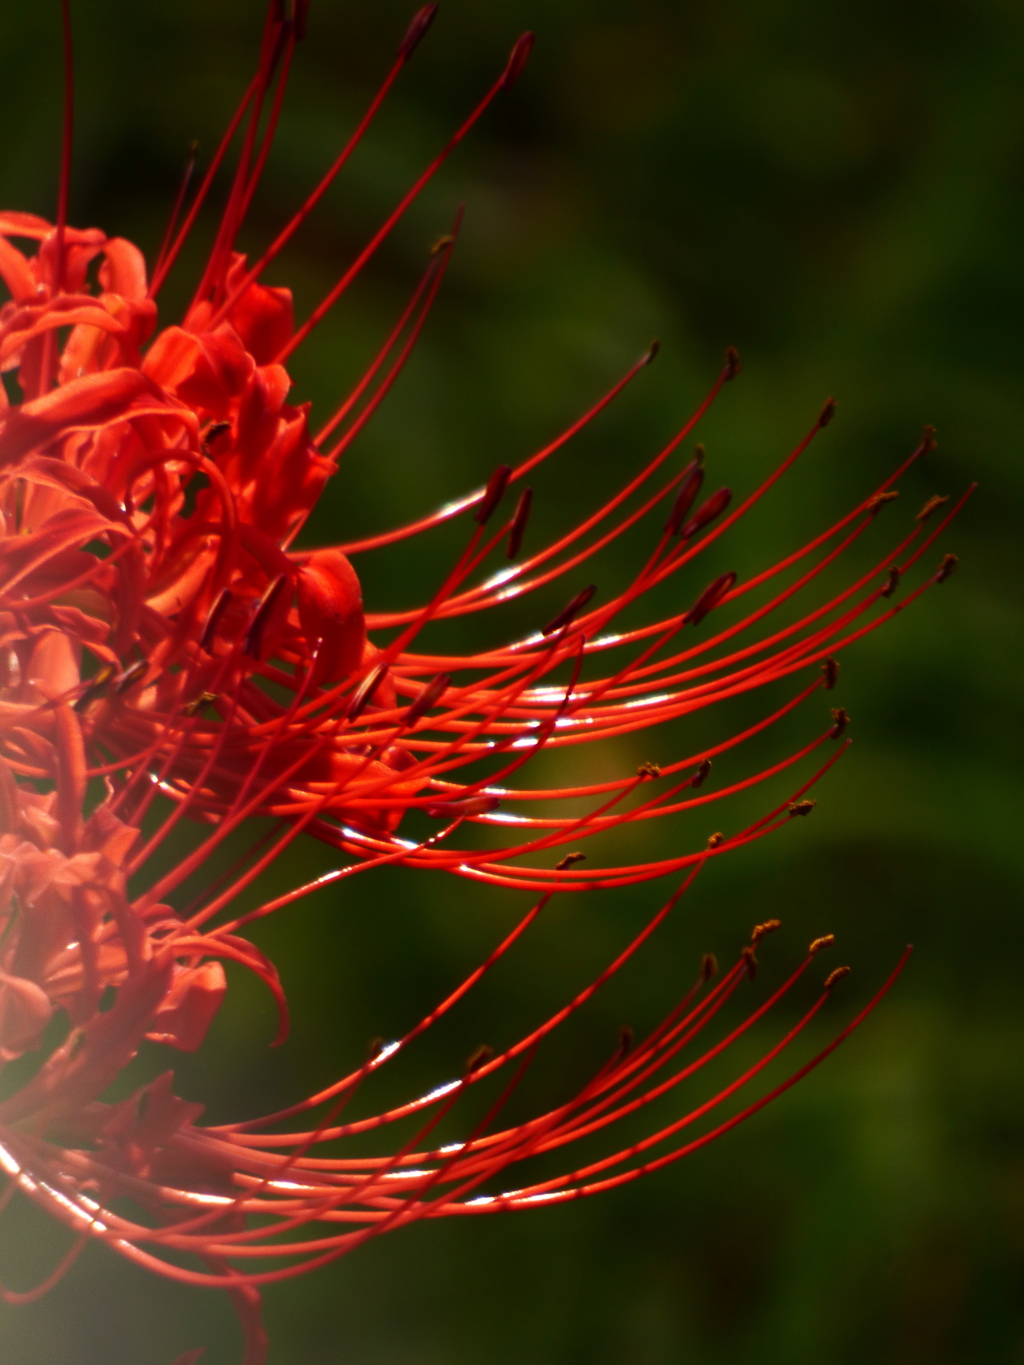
pixel 878 500
pixel 820 944
pixel 214 619
pixel 803 807
pixel 193 707
pixel 429 697
pixel 827 412
pixel 364 693
pixel 841 717
pixel 710 598
pixel 928 441
pixel 96 685
pixel 701 775
pixel 471 805
pixel 648 770
pixel 892 581
pixel 830 673
pixel 707 512
pixel 947 567
pixel 932 505
pixel 519 519
pixel 478 1057
pixel 442 244
pixel 750 959
pixel 212 435
pixel 133 674
pixel 732 362
pixel 570 858
pixel 715 840
pixel 269 609
pixel 689 488
pixel 566 615
pixel 835 976
pixel 708 966
pixel 493 494
pixel 761 930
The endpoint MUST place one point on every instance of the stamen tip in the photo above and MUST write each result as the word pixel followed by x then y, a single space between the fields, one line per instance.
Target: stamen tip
pixel 518 58
pixel 803 807
pixel 820 944
pixel 835 976
pixel 416 31
pixel 761 930
pixel 827 412
pixel 948 566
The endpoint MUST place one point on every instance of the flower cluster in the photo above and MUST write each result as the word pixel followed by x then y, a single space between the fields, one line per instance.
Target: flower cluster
pixel 169 651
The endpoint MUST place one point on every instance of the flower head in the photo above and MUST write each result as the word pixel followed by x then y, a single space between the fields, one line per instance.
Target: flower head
pixel 163 629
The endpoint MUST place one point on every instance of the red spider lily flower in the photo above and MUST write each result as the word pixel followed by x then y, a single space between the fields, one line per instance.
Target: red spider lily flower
pixel 161 629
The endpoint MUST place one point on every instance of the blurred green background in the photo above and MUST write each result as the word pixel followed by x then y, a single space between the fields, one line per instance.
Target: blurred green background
pixel 838 190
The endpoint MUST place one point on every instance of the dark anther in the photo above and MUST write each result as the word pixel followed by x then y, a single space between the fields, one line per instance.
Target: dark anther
pixel 928 441
pixel 214 433
pixel 493 493
pixel 301 19
pixel 254 638
pixel 827 412
pixel 193 707
pixel 803 807
pixel 880 499
pixel 693 477
pixel 842 719
pixel 427 698
pixel 716 840
pixel 363 694
pixel 820 944
pixel 416 31
pixel 830 671
pixel 625 1041
pixel 708 511
pixel 652 350
pixel 698 454
pixel 892 582
pixel 566 615
pixel 442 244
pixel 930 506
pixel 708 966
pixel 732 362
pixel 518 528
pixel 517 60
pixel 131 676
pixel 761 930
pixel 750 957
pixel 478 1057
pixel 947 567
pixel 835 976
pixel 647 770
pixel 709 598
pixel 95 685
pixel 214 619
pixel 374 1048
pixel 455 810
pixel 701 775
pixel 568 861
